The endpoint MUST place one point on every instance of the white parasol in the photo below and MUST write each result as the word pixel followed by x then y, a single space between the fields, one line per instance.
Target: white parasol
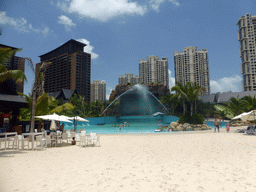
pixel 55 117
pixel 53 126
pixel 77 118
pixel 250 116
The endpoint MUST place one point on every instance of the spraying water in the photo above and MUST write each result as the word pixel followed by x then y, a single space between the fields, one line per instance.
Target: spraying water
pixel 137 100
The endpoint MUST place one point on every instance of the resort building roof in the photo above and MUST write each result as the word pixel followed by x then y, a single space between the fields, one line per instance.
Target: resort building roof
pixel 225 96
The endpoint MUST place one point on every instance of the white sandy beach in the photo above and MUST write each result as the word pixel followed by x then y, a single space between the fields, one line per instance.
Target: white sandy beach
pixel 198 161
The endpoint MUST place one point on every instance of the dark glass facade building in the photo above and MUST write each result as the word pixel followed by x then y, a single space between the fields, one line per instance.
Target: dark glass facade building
pixel 70 68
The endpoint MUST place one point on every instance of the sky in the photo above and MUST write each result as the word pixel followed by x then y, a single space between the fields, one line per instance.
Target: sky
pixel 119 33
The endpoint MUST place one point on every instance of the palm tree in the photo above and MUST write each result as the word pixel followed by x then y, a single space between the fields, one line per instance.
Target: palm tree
pixel 166 100
pixel 223 114
pixel 181 92
pixel 38 87
pixel 193 94
pixel 79 104
pixel 104 105
pixel 17 75
pixel 44 103
pixel 236 105
pixel 250 102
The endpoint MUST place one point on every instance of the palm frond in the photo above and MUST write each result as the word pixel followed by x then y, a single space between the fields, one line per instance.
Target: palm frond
pixel 6 54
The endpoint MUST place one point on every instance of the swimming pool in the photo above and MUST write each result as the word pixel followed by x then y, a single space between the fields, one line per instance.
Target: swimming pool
pixel 143 127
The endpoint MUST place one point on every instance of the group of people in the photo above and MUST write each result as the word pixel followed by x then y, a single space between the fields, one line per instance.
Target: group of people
pixel 218 124
pixel 60 127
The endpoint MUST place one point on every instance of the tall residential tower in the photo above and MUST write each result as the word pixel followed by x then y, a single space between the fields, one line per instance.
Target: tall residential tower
pixel 70 68
pixel 128 78
pixel 98 90
pixel 247 38
pixel 154 70
pixel 192 65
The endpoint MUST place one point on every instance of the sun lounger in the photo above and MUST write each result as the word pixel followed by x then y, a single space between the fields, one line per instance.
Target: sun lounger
pixel 250 132
pixel 240 131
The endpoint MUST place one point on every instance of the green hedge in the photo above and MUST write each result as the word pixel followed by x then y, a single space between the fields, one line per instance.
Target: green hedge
pixel 194 119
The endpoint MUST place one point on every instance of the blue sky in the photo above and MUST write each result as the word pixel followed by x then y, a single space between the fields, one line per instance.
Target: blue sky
pixel 121 32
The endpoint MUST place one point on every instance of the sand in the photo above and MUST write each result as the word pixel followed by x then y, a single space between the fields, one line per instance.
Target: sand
pixel 198 161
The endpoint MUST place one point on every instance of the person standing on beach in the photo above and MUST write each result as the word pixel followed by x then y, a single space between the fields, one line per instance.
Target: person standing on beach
pixel 227 127
pixel 216 125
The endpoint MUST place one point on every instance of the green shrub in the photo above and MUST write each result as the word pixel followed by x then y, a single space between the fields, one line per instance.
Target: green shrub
pixel 194 119
pixel 185 118
pixel 197 118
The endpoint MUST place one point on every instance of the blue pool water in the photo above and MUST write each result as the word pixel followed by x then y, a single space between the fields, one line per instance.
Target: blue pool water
pixel 142 125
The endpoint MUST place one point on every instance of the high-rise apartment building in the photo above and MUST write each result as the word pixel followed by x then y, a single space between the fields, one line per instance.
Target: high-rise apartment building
pixel 128 78
pixel 192 65
pixel 15 63
pixel 247 38
pixel 154 70
pixel 70 68
pixel 98 90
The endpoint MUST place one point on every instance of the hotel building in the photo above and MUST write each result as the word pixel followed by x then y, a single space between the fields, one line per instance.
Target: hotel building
pixel 154 70
pixel 15 63
pixel 128 78
pixel 192 65
pixel 98 90
pixel 70 68
pixel 247 38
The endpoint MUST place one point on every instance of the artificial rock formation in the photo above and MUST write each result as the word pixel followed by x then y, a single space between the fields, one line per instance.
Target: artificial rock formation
pixel 189 127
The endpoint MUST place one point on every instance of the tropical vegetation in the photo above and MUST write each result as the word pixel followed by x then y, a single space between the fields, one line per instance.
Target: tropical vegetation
pixel 17 75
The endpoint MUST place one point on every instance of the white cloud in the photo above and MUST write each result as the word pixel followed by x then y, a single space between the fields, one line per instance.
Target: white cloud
pixel 171 79
pixel 102 10
pixel 156 3
pixel 175 2
pixel 88 48
pixel 121 22
pixel 105 10
pixel 108 91
pixel 108 95
pixel 225 84
pixel 66 22
pixel 21 24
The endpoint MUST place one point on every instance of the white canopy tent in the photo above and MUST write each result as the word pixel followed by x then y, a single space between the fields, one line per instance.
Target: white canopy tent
pixel 54 117
pixel 250 116
pixel 77 118
pixel 239 116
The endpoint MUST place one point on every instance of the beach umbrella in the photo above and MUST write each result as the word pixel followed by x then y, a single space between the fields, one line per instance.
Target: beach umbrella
pixel 77 118
pixel 53 126
pixel 251 116
pixel 239 116
pixel 54 117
